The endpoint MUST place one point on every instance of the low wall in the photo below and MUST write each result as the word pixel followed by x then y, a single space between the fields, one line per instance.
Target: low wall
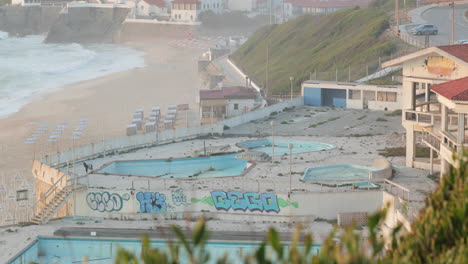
pixel 385 169
pixel 261 113
pixel 221 204
pixel 234 66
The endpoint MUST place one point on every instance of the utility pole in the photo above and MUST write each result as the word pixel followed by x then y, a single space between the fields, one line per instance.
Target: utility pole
pixel 266 70
pixel 270 11
pixel 453 23
pixel 397 16
pixel 282 9
pixel 291 79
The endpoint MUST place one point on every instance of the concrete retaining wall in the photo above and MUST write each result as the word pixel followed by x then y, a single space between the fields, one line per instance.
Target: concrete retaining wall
pixel 385 169
pixel 222 204
pixel 261 113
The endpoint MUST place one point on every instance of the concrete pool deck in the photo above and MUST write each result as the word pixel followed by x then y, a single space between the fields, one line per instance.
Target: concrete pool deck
pixel 353 146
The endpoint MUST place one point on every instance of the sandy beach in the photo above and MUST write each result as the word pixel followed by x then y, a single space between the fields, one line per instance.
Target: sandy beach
pixel 169 77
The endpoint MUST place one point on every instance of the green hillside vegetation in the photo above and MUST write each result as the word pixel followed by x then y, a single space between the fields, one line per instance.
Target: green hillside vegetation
pixel 351 40
pixel 316 43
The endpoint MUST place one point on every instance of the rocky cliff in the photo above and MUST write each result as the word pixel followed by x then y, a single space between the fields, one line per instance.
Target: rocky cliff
pixel 33 20
pixel 84 24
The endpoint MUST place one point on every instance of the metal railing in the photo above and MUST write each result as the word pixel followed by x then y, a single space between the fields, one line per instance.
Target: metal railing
pixel 408 39
pixel 46 198
pixel 397 190
pixel 421 117
pixel 431 140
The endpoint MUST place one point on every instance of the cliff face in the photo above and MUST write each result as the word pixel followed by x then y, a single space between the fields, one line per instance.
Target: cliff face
pixel 87 25
pixel 32 20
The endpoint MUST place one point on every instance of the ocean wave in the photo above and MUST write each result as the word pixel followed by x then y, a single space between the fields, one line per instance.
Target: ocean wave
pixel 29 68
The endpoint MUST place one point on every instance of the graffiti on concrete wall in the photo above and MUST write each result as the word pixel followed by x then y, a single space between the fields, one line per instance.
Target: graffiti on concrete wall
pixel 248 201
pixel 251 201
pixel 178 197
pixel 105 201
pixel 152 202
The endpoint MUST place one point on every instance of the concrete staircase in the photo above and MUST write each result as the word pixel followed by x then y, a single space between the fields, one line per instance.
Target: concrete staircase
pixel 57 201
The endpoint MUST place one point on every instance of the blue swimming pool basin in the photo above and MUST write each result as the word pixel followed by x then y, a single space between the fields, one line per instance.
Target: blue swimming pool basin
pixel 205 167
pixel 340 175
pixel 46 250
pixel 281 146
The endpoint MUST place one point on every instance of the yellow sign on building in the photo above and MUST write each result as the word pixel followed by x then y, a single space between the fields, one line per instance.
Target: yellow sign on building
pixel 440 65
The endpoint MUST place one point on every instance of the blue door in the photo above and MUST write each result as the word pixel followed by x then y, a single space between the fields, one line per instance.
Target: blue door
pixel 313 96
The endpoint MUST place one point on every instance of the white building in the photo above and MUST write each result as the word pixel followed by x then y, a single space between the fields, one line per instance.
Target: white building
pixel 435 104
pixel 151 8
pixel 189 10
pixel 26 2
pixel 241 5
pixel 294 8
pixel 216 105
pixel 352 95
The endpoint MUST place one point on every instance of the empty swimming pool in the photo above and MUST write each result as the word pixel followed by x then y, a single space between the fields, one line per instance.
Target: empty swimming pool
pixel 337 174
pixel 47 250
pixel 281 146
pixel 215 166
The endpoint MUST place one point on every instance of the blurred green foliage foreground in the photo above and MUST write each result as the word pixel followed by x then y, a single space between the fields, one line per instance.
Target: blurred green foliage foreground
pixel 439 235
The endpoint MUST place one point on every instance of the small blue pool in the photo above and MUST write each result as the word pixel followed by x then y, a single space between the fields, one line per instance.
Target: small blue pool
pixel 281 146
pixel 102 251
pixel 340 175
pixel 215 166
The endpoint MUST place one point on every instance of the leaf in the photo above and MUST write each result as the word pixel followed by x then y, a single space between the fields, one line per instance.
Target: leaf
pixel 274 241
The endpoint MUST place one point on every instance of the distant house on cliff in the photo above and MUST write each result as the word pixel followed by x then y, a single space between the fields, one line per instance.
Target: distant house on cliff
pixel 189 10
pixel 241 5
pixel 151 8
pixel 26 2
pixel 294 8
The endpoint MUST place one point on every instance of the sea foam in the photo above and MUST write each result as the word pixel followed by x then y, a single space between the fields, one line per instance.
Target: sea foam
pixel 29 68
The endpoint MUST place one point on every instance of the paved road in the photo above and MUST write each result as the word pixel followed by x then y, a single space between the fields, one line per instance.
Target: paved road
pixel 441 17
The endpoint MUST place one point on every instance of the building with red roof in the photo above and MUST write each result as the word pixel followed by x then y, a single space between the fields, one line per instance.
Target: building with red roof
pixel 226 102
pixel 435 103
pixel 151 8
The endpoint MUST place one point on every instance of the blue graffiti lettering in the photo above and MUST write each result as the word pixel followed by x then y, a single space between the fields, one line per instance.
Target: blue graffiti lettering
pixel 152 202
pixel 220 200
pixel 270 202
pixel 265 202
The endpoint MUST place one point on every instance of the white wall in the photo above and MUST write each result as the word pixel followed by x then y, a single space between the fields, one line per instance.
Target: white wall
pixel 133 204
pixel 261 113
pixel 144 9
pixel 242 105
pixel 184 15
pixel 17 2
pixel 217 6
pixel 241 5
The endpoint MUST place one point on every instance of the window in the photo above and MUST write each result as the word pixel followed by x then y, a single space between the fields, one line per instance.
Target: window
pixel 387 96
pixel 21 195
pixel 236 106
